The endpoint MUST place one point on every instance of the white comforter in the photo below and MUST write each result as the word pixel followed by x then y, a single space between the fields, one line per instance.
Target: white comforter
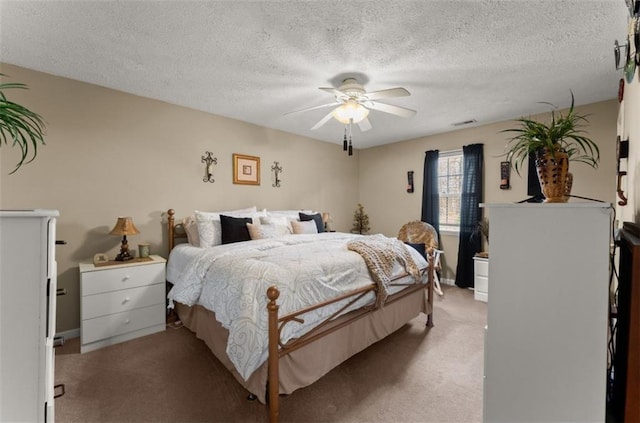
pixel 232 280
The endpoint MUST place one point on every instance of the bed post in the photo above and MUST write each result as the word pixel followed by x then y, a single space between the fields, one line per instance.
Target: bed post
pixel 274 338
pixel 171 228
pixel 430 270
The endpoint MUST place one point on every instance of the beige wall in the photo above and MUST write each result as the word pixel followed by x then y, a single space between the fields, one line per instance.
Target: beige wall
pixel 110 154
pixel 383 172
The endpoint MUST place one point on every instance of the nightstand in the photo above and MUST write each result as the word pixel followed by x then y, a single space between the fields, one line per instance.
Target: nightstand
pixel 121 302
pixel 481 279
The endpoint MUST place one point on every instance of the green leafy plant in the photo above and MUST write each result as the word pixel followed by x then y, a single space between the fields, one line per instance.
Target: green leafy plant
pixel 19 126
pixel 563 134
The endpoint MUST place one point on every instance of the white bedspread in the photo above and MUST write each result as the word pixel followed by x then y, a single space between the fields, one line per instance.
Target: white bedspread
pixel 232 280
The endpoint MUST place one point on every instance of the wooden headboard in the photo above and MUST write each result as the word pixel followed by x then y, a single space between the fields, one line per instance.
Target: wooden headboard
pixel 175 231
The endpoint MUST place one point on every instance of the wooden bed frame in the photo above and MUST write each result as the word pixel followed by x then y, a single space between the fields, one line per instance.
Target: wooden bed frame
pixel 277 349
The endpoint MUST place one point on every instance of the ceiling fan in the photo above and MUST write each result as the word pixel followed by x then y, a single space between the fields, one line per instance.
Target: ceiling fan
pixel 354 102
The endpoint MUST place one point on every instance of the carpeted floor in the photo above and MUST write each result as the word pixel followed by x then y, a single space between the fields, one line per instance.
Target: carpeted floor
pixel 414 375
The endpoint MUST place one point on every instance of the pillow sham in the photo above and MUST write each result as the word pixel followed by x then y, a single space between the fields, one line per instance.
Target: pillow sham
pixel 265 231
pixel 191 229
pixel 304 227
pixel 317 218
pixel 234 229
pixel 277 220
pixel 289 212
pixel 208 223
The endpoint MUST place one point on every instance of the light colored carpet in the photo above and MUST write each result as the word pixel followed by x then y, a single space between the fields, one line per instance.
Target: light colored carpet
pixel 414 375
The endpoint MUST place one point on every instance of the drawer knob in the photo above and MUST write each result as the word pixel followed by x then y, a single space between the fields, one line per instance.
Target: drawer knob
pixel 126 278
pixel 126 300
pixel 127 321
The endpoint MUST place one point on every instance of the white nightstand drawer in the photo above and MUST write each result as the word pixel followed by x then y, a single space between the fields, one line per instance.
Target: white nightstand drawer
pixel 481 284
pixel 482 267
pixel 107 280
pixel 122 300
pixel 117 324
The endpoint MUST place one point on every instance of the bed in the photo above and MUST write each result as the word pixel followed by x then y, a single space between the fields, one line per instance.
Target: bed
pixel 281 312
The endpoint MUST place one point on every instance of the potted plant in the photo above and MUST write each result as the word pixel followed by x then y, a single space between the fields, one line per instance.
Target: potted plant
pixel 554 145
pixel 19 126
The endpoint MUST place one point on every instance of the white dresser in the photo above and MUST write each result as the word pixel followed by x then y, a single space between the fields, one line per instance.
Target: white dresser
pixel 546 336
pixel 121 302
pixel 28 283
pixel 481 278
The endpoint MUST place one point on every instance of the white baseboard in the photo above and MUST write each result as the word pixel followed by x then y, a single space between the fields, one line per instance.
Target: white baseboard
pixel 70 334
pixel 451 282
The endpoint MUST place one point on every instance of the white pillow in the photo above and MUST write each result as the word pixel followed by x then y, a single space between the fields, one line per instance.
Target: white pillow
pixel 292 214
pixel 266 231
pixel 277 220
pixel 307 227
pixel 209 228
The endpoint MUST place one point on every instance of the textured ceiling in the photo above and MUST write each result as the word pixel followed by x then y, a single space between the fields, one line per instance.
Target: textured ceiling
pixel 487 60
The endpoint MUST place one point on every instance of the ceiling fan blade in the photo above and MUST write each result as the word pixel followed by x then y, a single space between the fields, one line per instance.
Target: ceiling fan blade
pixel 364 125
pixel 391 92
pixel 333 91
pixel 388 108
pixel 312 108
pixel 322 121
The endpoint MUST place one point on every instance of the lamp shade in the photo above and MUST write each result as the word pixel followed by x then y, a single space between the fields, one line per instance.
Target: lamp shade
pixel 124 226
pixel 350 111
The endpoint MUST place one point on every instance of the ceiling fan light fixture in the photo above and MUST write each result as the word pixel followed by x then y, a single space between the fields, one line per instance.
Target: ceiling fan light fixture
pixel 351 111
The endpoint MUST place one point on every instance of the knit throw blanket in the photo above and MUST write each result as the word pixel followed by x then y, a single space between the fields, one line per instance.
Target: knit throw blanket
pixel 380 253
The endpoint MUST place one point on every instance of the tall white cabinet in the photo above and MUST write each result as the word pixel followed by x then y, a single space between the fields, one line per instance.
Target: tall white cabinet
pixel 546 338
pixel 27 315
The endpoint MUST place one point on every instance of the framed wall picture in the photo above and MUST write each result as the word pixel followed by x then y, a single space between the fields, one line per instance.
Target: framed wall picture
pixel 246 169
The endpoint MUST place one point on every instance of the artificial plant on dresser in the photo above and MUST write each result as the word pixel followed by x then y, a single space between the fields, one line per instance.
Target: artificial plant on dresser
pixel 554 145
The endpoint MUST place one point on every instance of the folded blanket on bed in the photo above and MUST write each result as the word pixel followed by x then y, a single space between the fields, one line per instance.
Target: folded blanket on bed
pixel 380 254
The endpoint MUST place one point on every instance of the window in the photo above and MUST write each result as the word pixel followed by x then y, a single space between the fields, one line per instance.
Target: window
pixel 450 189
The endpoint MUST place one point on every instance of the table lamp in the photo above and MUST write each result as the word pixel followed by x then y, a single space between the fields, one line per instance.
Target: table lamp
pixel 326 218
pixel 124 226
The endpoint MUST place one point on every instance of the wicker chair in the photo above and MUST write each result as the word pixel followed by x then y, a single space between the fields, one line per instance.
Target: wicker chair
pixel 418 232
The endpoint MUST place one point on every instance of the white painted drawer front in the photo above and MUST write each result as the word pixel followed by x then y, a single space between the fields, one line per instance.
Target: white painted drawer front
pixel 481 284
pixel 117 324
pixel 100 281
pixel 482 268
pixel 121 300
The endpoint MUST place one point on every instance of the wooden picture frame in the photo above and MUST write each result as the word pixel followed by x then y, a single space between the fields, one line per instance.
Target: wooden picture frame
pixel 246 169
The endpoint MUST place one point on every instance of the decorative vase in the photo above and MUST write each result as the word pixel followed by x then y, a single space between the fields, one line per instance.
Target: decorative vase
pixel 552 174
pixel 568 184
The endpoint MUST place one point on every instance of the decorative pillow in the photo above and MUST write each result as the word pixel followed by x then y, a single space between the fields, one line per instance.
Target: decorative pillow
pixel 282 221
pixel 234 229
pixel 419 248
pixel 267 231
pixel 306 227
pixel 289 213
pixel 315 217
pixel 208 223
pixel 191 229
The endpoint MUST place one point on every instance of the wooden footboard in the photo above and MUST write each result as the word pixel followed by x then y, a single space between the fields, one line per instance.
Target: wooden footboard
pixel 277 349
